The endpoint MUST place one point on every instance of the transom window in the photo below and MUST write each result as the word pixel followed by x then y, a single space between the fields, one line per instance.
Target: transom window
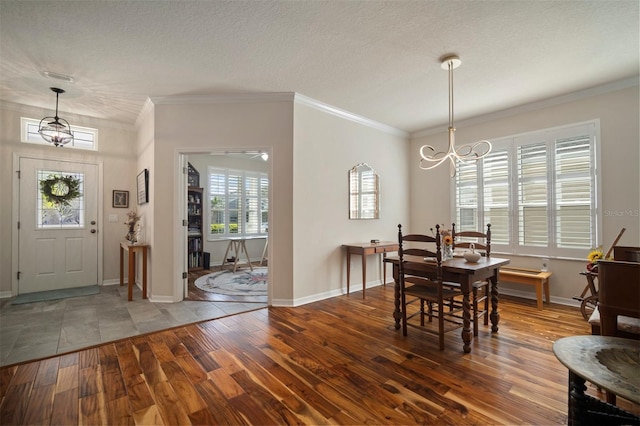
pixel 83 137
pixel 537 190
pixel 238 203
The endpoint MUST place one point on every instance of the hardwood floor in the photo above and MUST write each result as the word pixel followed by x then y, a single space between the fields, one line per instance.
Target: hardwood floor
pixel 337 361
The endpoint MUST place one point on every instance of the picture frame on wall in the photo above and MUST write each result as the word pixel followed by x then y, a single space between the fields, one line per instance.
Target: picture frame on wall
pixel 120 199
pixel 143 187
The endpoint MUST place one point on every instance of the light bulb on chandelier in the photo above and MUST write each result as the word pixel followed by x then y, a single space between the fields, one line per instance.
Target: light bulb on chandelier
pixel 430 158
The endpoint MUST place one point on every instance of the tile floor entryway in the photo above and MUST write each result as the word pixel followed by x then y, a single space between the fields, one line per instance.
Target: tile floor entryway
pixel 37 330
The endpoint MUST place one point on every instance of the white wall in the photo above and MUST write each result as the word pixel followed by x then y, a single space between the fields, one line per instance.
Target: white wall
pixel 618 112
pixel 215 126
pixel 326 147
pixel 116 154
pixel 310 156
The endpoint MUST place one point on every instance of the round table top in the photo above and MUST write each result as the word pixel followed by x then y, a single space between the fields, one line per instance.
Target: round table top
pixel 612 363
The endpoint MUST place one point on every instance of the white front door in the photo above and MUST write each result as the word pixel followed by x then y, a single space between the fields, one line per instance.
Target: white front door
pixel 58 237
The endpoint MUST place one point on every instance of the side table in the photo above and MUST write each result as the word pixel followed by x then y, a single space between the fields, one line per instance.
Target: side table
pixel 132 249
pixel 367 249
pixel 612 364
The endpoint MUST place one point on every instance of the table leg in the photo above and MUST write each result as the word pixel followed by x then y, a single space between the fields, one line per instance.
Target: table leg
pixel 224 259
pixel 235 255
pixel 264 251
pixel 121 266
pixel 495 315
pixel 547 293
pixel 384 269
pixel 132 272
pixel 467 335
pixel 348 269
pixel 578 414
pixel 246 253
pixel 364 273
pixel 144 273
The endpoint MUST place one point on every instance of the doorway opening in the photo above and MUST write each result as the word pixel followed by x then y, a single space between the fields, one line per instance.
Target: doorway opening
pixel 226 199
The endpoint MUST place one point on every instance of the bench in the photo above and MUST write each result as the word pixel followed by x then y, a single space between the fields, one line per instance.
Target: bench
pixel 530 277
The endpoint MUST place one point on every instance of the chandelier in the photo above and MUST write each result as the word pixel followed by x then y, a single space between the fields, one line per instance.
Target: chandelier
pixel 430 158
pixel 55 130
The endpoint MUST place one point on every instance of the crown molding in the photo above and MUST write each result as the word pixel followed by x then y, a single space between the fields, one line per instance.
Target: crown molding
pixel 223 98
pixel 272 97
pixel 534 106
pixel 330 109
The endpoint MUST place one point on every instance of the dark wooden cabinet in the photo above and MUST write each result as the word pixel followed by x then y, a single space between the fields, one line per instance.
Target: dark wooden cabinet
pixel 195 241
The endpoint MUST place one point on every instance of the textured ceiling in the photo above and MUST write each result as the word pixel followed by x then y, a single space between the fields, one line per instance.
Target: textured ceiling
pixel 378 59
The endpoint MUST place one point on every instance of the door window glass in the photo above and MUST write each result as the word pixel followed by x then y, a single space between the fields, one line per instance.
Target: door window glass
pixel 60 202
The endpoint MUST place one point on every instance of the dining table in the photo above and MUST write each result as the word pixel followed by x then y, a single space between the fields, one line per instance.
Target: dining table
pixel 457 270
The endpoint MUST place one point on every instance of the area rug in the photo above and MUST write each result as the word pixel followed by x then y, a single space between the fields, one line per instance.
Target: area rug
pixel 64 293
pixel 240 283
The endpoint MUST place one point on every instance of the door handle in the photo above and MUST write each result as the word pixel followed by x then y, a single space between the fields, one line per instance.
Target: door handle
pixel 93 231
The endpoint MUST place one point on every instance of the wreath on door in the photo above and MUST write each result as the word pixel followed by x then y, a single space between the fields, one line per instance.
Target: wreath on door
pixel 60 190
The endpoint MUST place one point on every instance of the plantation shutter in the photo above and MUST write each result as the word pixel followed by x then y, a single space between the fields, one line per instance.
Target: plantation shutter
pixel 495 178
pixel 264 204
pixel 467 197
pixel 252 189
pixel 218 197
pixel 533 229
pixel 234 187
pixel 574 192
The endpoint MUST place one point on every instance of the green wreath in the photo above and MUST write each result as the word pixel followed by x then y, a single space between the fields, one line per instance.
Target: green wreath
pixel 60 190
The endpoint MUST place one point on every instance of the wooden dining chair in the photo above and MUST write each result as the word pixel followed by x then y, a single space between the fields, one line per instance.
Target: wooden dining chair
pixel 480 289
pixel 420 280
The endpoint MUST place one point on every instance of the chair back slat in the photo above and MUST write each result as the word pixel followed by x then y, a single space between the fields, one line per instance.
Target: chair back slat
pixel 413 251
pixel 482 240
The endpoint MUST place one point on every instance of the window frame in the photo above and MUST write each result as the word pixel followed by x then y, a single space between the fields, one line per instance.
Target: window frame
pixel 34 138
pixel 552 138
pixel 260 200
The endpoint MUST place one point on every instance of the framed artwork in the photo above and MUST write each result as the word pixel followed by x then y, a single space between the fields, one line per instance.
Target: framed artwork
pixel 120 199
pixel 143 187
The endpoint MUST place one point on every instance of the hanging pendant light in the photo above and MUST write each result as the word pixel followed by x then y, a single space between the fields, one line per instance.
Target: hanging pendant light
pixel 55 130
pixel 430 158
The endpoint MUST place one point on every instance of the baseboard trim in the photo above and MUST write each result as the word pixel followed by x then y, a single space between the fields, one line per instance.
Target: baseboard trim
pixel 532 296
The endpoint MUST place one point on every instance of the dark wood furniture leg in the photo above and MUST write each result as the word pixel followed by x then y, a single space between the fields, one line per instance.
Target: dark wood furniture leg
pixel 495 315
pixel 467 335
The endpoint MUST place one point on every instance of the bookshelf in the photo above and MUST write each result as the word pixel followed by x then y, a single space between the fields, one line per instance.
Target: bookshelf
pixel 195 241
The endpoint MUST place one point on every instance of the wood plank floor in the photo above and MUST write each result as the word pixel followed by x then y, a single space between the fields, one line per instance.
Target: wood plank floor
pixel 338 361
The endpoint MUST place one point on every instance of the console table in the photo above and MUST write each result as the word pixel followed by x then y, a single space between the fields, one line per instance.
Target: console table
pixel 132 249
pixel 612 364
pixel 364 250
